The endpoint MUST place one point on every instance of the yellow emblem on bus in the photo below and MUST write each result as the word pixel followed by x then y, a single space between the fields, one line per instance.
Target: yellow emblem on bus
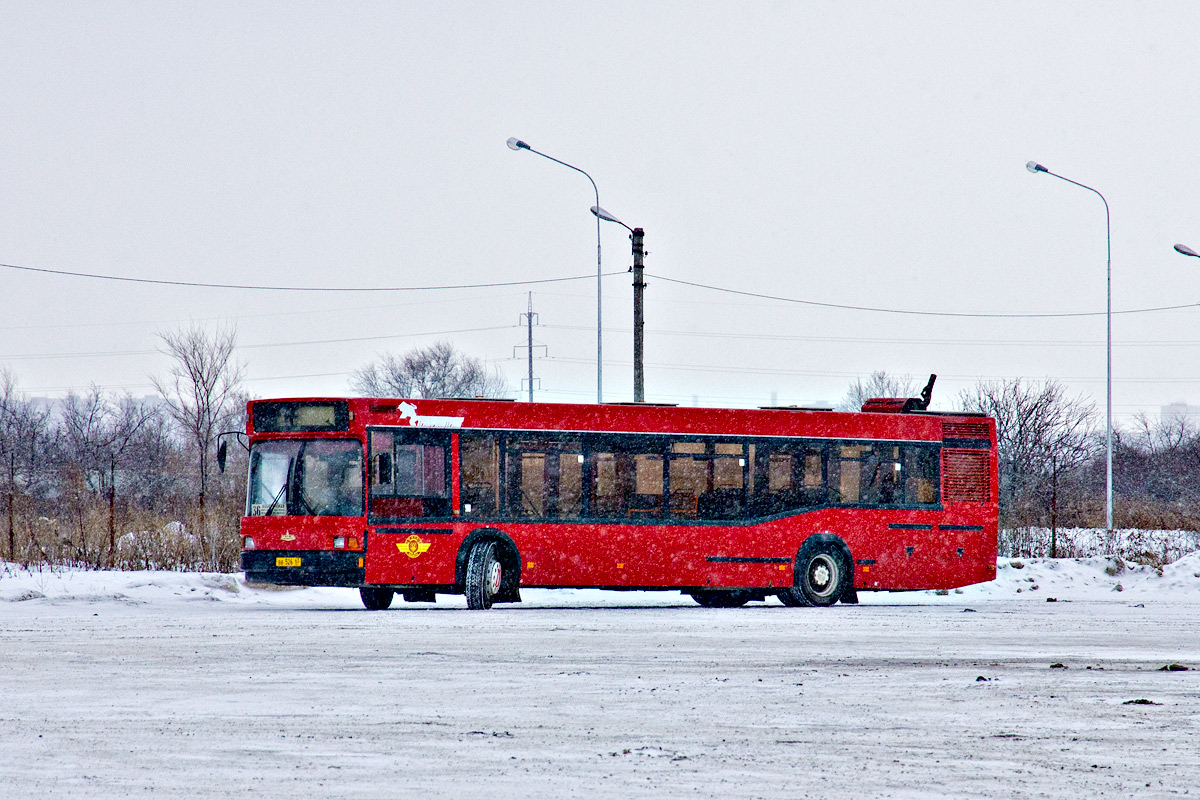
pixel 412 546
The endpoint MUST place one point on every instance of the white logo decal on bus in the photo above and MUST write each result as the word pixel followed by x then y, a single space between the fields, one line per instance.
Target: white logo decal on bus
pixel 408 412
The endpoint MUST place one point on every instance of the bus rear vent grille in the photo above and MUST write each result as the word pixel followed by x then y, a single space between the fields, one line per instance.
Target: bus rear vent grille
pixel 965 430
pixel 966 476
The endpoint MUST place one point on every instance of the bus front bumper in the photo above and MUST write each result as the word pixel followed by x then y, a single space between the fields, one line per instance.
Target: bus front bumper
pixel 304 567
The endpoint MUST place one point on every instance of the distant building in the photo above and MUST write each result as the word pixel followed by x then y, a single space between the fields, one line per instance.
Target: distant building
pixel 1180 411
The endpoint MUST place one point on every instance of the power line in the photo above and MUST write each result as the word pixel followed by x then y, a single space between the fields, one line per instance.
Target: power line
pixel 100 354
pixel 910 312
pixel 499 284
pixel 489 298
pixel 889 339
pixel 251 287
pixel 834 374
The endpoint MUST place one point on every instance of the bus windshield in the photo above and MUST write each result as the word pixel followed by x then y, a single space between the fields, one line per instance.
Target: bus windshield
pixel 320 477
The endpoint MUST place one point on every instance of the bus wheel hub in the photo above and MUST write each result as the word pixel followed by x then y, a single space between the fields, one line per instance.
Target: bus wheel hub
pixel 493 578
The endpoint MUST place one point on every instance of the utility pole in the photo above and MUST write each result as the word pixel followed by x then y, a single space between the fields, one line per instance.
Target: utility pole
pixel 639 286
pixel 529 345
pixel 637 236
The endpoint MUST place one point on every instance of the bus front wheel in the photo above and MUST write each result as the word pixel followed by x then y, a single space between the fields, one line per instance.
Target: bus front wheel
pixel 376 599
pixel 484 575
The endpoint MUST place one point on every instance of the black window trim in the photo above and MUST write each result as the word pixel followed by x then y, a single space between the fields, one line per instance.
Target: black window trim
pixel 590 438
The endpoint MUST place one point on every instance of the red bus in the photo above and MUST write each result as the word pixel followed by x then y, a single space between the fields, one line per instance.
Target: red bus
pixel 486 497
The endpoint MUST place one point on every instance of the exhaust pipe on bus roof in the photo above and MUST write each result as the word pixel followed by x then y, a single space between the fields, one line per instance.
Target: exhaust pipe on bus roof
pixel 901 405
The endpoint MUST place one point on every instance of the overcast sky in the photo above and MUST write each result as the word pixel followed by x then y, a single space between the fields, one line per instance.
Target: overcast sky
pixel 865 154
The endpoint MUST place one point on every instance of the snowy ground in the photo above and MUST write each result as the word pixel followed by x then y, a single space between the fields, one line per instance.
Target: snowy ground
pixel 186 685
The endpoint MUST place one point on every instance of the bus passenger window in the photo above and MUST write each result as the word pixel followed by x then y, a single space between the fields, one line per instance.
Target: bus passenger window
pixel 544 477
pixel 879 477
pixel 625 477
pixel 382 473
pixel 688 476
pixel 788 476
pixel 606 497
pixel 920 474
pixel 849 474
pixel 647 484
pixel 479 474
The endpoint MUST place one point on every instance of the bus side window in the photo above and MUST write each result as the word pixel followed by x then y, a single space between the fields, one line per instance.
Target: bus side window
pixel 544 477
pixel 726 495
pixel 606 499
pixel 788 476
pixel 688 477
pixel 479 474
pixel 919 468
pixel 382 474
pixel 625 476
pixel 879 478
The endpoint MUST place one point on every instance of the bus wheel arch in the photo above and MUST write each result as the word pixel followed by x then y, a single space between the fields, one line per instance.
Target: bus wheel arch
pixel 505 552
pixel 823 572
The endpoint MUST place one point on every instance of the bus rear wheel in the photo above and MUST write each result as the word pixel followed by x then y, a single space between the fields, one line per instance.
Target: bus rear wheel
pixel 484 576
pixel 822 576
pixel 722 598
pixel 376 599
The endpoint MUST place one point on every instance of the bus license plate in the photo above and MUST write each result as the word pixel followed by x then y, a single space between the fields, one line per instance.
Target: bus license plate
pixel 287 561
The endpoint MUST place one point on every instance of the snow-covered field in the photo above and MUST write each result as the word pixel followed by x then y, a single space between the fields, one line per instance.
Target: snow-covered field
pixel 188 685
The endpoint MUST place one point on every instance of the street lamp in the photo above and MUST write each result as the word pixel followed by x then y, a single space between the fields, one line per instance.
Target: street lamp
pixel 637 235
pixel 516 144
pixel 1035 168
pixel 1187 251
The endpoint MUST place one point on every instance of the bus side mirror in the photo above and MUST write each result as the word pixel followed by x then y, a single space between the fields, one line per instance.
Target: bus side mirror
pixel 222 452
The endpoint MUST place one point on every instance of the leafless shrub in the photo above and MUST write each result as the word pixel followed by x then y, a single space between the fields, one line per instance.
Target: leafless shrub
pixel 879 384
pixel 1151 547
pixel 1045 438
pixel 439 370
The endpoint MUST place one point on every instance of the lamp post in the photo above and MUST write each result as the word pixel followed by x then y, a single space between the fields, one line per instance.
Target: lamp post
pixel 1035 168
pixel 637 236
pixel 516 144
pixel 1187 251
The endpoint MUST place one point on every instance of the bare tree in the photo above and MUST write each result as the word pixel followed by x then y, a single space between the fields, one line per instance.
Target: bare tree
pixel 201 391
pixel 439 370
pixel 1159 459
pixel 24 442
pixel 99 436
pixel 879 384
pixel 1042 434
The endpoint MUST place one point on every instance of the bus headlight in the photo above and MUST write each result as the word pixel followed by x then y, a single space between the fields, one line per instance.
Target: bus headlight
pixel 339 541
pixel 247 542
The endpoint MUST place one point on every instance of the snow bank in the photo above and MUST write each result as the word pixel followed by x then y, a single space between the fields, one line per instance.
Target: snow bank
pixel 1094 578
pixel 1033 579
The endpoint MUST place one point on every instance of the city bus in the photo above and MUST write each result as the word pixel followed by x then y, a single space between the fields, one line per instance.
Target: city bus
pixel 482 498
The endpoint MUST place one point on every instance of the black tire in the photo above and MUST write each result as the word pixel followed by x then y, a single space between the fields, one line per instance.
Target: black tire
pixel 793 598
pixel 721 598
pixel 484 575
pixel 376 599
pixel 822 574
